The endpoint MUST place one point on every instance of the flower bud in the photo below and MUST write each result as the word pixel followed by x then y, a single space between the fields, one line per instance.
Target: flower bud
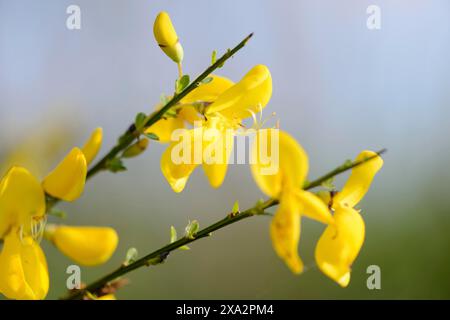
pixel 167 38
pixel 136 149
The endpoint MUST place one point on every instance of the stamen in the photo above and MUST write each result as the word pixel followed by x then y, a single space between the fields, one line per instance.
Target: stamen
pixel 255 122
pixel 38 228
pixel 260 108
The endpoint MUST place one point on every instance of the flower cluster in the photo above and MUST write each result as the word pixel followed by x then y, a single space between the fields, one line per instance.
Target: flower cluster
pixel 343 238
pixel 199 127
pixel 221 104
pixel 23 215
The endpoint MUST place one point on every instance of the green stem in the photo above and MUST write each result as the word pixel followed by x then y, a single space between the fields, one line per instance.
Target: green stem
pixel 160 255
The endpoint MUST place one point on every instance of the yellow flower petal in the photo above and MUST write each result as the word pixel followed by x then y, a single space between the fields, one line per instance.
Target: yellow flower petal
pixel 21 200
pixel 189 114
pixel 313 207
pixel 340 244
pixel 285 232
pixel 279 163
pixel 167 38
pixel 208 92
pixel 67 180
pixel 23 269
pixel 251 94
pixel 107 297
pixel 89 246
pixel 217 148
pixel 360 179
pixel 163 128
pixel 93 145
pixel 326 197
pixel 178 160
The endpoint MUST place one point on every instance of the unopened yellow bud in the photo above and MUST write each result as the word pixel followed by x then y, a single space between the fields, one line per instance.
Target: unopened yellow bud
pixel 136 149
pixel 167 38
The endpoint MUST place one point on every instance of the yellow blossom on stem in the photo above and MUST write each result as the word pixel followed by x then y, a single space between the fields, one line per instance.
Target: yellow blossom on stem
pixel 187 112
pixel 285 184
pixel 214 136
pixel 340 243
pixel 23 268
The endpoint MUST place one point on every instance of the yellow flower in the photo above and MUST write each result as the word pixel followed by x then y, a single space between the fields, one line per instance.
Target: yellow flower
pixel 340 243
pixel 167 38
pixel 211 143
pixel 202 96
pixel 285 184
pixel 89 246
pixel 23 268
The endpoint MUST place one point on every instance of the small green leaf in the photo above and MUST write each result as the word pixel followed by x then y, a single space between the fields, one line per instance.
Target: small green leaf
pixel 115 165
pixel 132 255
pixel 348 163
pixel 139 120
pixel 191 229
pixel 182 83
pixel 207 80
pixel 214 57
pixel 154 261
pixel 58 213
pixel 328 184
pixel 173 234
pixel 171 113
pixel 151 136
pixel 173 238
pixel 260 202
pixel 163 99
pixel 235 208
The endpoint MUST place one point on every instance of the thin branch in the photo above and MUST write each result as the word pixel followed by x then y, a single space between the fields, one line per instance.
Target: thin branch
pixel 161 254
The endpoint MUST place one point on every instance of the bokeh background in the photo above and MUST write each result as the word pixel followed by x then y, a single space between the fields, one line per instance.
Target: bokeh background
pixel 339 88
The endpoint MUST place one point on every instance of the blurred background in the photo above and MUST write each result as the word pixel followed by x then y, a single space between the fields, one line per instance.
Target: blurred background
pixel 339 88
